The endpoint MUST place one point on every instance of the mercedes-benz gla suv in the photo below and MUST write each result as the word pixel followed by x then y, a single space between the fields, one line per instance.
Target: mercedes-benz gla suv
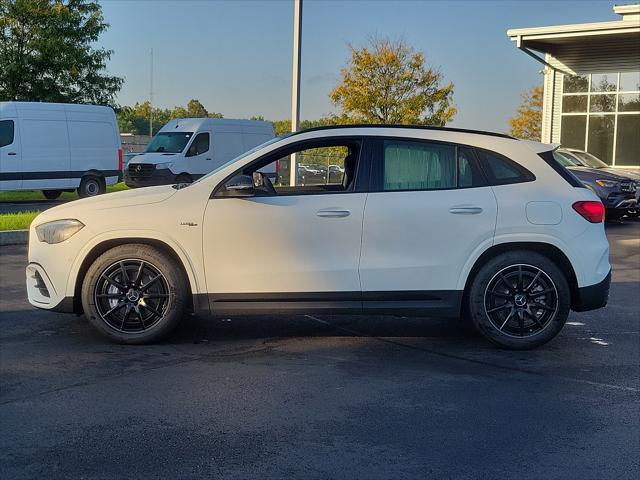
pixel 424 221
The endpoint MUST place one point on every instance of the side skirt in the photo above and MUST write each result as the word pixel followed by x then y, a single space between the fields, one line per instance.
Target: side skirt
pixel 435 303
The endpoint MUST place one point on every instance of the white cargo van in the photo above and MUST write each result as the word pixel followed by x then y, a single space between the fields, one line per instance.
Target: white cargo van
pixel 185 149
pixel 56 147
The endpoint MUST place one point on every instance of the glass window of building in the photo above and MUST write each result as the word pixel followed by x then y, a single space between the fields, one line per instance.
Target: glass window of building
pixel 601 114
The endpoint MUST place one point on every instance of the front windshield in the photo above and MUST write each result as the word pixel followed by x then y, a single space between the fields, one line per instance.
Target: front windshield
pixel 565 160
pixel 245 154
pixel 169 142
pixel 590 160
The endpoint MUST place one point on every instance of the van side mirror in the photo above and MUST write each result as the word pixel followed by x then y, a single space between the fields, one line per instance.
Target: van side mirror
pixel 239 186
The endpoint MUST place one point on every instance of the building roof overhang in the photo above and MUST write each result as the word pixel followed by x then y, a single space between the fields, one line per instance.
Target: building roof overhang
pixel 581 39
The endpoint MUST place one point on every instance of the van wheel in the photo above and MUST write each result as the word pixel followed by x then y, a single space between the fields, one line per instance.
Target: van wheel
pixel 90 186
pixel 519 300
pixel 184 178
pixel 134 294
pixel 51 194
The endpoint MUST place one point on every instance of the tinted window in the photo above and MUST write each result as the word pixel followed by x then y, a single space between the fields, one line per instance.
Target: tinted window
pixel 418 166
pixel 200 145
pixel 501 170
pixel 6 132
pixel 469 175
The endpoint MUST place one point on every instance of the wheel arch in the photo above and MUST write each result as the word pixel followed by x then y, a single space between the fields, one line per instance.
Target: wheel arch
pixel 106 244
pixel 547 249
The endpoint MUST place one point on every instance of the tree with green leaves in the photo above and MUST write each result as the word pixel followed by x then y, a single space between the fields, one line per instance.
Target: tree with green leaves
pixel 527 124
pixel 388 82
pixel 136 119
pixel 47 52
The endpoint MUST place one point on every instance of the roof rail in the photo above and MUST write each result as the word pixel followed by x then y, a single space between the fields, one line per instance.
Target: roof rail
pixel 417 127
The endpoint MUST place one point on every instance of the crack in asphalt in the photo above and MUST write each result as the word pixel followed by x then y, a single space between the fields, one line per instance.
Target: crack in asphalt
pixel 471 360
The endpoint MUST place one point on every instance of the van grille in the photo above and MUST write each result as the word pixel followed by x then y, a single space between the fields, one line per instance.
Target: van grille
pixel 141 170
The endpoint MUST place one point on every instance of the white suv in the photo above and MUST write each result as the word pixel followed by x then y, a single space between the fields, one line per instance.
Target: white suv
pixel 428 221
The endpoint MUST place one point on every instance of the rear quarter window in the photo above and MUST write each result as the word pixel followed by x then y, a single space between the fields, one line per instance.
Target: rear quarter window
pixel 501 170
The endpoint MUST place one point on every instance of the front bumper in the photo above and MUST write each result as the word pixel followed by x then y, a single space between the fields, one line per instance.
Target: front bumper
pixel 592 297
pixel 162 176
pixel 42 293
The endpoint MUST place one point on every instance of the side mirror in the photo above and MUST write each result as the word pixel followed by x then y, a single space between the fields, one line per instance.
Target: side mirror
pixel 239 186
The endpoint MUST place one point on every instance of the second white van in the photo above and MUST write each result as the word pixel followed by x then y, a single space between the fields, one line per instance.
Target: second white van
pixel 56 147
pixel 186 149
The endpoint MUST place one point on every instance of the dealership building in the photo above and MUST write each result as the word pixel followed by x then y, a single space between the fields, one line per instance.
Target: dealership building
pixel 591 84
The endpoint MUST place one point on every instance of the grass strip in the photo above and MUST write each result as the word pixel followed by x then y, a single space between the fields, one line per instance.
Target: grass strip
pixel 17 221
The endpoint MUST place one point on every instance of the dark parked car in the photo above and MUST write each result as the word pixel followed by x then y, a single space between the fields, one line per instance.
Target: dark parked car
pixel 589 160
pixel 617 192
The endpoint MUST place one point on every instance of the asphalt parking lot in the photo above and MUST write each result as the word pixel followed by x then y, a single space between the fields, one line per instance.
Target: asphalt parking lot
pixel 321 397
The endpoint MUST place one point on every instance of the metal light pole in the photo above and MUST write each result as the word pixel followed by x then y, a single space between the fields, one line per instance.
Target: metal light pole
pixel 151 96
pixel 295 85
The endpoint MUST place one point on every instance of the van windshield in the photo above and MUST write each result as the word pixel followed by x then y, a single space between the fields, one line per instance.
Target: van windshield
pixel 169 142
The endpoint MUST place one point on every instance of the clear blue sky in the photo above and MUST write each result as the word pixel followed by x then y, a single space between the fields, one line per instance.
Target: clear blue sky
pixel 235 56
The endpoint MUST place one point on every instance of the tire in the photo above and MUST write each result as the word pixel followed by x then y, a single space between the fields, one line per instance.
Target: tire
pixel 184 178
pixel 90 186
pixel 117 308
pixel 51 194
pixel 519 300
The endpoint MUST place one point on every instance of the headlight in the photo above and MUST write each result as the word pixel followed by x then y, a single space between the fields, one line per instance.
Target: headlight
pixel 606 183
pixel 58 230
pixel 164 165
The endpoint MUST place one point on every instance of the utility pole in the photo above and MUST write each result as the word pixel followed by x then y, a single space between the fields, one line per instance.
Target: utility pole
pixel 151 97
pixel 295 84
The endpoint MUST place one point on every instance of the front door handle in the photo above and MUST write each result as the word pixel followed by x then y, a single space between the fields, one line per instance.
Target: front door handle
pixel 333 213
pixel 207 159
pixel 465 210
pixel 11 153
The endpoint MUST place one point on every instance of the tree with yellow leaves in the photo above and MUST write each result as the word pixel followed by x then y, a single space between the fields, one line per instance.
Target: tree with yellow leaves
pixel 388 82
pixel 527 124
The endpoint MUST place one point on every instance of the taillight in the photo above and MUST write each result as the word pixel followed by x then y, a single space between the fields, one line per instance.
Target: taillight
pixel 591 211
pixel 119 159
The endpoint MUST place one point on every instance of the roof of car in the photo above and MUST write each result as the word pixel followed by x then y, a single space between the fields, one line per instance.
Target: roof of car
pixel 418 127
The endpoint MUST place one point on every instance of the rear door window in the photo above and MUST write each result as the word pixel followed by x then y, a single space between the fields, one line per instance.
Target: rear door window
pixel 410 165
pixel 6 132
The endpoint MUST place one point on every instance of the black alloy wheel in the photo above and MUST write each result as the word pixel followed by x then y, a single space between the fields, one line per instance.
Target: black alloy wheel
pixel 132 296
pixel 521 300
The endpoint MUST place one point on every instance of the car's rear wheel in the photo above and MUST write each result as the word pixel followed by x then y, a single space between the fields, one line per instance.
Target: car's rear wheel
pixel 51 194
pixel 134 294
pixel 519 300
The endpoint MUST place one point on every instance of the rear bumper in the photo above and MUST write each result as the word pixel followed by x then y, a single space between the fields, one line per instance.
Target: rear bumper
pixel 592 297
pixel 162 176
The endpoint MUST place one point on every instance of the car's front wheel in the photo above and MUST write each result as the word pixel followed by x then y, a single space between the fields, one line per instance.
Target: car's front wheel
pixel 134 294
pixel 519 300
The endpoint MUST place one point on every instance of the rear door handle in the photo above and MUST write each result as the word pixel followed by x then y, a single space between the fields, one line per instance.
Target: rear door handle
pixel 11 153
pixel 207 159
pixel 465 210
pixel 333 213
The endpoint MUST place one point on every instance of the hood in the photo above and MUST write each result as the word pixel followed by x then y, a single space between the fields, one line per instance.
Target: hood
pixel 152 157
pixel 626 174
pixel 126 198
pixel 596 174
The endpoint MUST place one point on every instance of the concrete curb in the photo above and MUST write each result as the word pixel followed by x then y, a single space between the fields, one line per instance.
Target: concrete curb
pixel 14 237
